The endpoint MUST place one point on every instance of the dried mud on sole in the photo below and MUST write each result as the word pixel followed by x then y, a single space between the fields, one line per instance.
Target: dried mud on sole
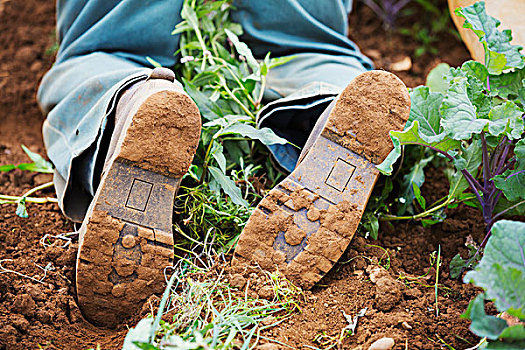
pixel 126 240
pixel 303 226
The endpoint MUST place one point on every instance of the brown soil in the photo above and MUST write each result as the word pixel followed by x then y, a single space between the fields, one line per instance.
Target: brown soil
pixel 46 314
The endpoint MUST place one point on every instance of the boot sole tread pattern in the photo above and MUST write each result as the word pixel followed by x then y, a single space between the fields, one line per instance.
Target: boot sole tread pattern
pixel 126 240
pixel 303 226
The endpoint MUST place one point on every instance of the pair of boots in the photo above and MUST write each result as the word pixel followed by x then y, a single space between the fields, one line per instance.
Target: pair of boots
pixel 301 227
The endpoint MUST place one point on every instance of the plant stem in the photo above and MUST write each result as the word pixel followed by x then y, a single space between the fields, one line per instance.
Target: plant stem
pixel 30 192
pixel 474 183
pixel 438 263
pixel 470 179
pixel 417 216
pixel 29 199
pixel 205 163
pixel 254 103
pixel 503 157
pixel 506 210
pixel 486 170
pixel 496 155
pixel 507 166
pixel 233 97
pixel 261 93
pixel 434 207
pixel 437 150
pixel 38 188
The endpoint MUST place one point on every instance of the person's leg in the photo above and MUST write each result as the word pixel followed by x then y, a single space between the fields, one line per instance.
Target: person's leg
pixel 121 137
pixel 103 49
pixel 315 32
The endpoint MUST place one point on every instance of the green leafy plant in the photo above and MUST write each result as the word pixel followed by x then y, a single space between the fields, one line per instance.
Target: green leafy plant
pixel 199 210
pixel 39 165
pixel 501 273
pixel 477 121
pixel 227 83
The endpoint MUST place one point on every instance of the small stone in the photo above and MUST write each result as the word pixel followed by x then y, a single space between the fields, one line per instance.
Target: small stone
pixel 25 54
pixel 238 281
pixel 388 293
pixel 376 273
pixel 373 54
pixel 382 344
pixel 268 346
pixel 129 241
pixel 402 65
pixel 359 273
pixel 406 326
pixel 36 66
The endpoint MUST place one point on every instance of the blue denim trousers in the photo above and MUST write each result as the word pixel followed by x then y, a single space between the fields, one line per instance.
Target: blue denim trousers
pixel 103 49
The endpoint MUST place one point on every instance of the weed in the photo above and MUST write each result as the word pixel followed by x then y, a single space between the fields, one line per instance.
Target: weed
pixel 39 165
pixel 329 342
pixel 436 284
pixel 227 83
pixel 435 263
pixel 443 342
pixel 209 314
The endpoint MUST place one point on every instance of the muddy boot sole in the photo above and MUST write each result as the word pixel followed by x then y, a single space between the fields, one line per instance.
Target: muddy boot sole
pixel 303 226
pixel 126 239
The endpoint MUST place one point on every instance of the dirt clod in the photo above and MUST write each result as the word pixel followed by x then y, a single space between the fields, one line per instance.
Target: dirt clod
pixel 388 293
pixel 376 272
pixel 237 280
pixel 24 305
pixel 266 292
